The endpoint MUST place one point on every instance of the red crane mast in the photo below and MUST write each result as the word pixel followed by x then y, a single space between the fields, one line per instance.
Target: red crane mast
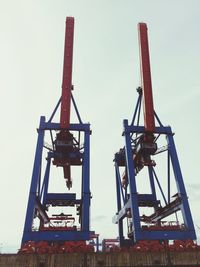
pixel 67 74
pixel 149 122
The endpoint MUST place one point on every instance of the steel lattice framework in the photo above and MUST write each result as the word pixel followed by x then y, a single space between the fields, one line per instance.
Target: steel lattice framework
pixel 143 144
pixel 70 147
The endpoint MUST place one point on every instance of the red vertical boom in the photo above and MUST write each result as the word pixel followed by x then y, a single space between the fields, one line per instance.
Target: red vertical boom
pixel 67 74
pixel 149 121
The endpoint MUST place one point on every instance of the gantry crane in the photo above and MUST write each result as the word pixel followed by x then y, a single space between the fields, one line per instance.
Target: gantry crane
pixel 69 148
pixel 161 211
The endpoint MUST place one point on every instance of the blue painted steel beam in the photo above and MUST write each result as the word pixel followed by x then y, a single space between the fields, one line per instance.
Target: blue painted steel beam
pixel 119 204
pixel 57 236
pixel 34 182
pixel 61 199
pixel 187 216
pixel 76 109
pixel 86 195
pixel 73 126
pixel 141 129
pixel 136 108
pixel 72 155
pixel 168 235
pixel 151 180
pixel 132 183
pixel 46 179
pixel 159 185
pixel 168 178
pixel 119 184
pixel 54 111
pixel 61 196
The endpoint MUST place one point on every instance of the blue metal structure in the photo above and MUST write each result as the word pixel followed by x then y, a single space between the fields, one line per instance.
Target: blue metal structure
pixel 155 213
pixel 70 148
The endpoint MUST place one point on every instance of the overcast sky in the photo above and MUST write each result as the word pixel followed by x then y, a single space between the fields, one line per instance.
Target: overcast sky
pixel 105 75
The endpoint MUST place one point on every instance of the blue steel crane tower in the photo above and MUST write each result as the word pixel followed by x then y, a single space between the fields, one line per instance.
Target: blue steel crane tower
pixel 70 147
pixel 148 215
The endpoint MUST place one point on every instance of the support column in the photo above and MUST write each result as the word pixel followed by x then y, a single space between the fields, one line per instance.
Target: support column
pixel 34 182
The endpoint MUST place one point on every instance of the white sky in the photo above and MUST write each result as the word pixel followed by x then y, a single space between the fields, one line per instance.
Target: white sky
pixel 105 75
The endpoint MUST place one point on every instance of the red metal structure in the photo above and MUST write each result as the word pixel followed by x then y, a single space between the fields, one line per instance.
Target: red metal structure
pixel 67 74
pixel 149 121
pixel 64 137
